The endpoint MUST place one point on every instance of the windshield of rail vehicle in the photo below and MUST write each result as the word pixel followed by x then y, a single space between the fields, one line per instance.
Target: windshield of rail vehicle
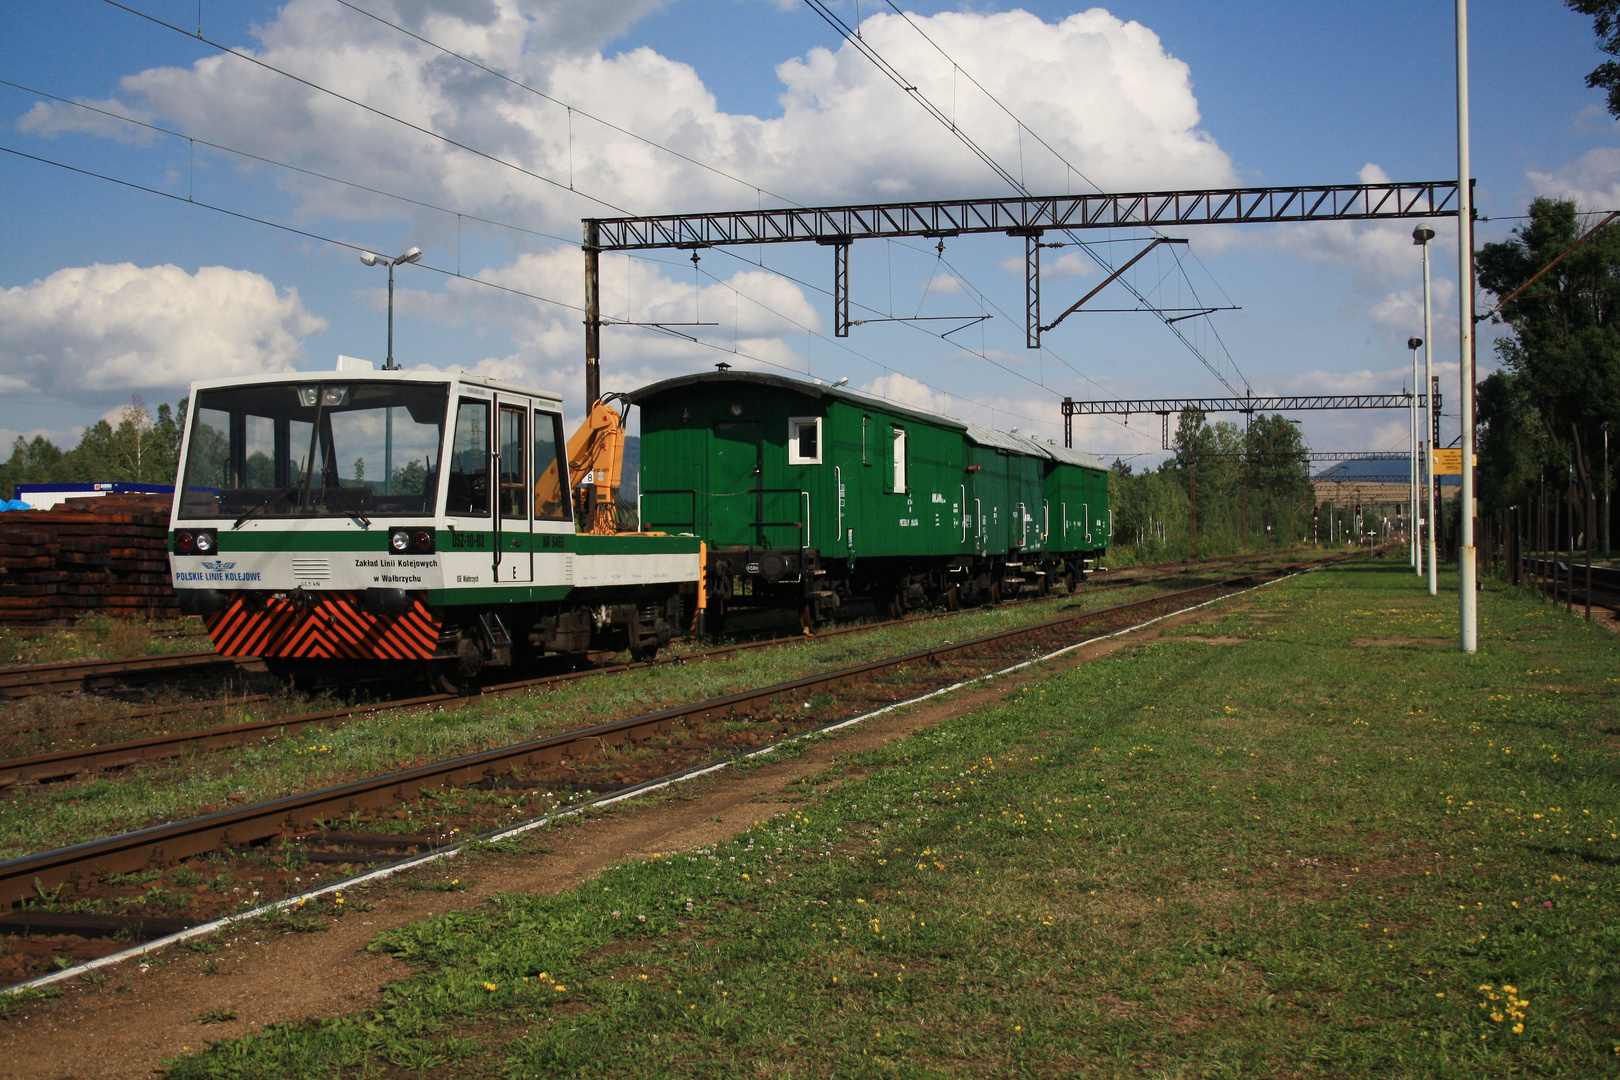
pixel 333 448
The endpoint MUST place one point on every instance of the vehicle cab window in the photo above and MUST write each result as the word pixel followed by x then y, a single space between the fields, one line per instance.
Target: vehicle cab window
pixel 468 486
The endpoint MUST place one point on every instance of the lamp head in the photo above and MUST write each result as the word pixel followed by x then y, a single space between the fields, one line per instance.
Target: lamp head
pixel 1414 343
pixel 413 255
pixel 1422 235
pixel 371 260
pixel 842 381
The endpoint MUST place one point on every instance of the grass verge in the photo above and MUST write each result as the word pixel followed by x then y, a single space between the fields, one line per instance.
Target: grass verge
pixel 101 637
pixel 1305 839
pixel 42 816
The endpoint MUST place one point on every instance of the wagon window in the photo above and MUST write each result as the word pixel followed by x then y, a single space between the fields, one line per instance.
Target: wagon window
pixel 899 487
pixel 804 440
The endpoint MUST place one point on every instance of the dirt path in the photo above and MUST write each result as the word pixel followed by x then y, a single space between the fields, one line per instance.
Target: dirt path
pixel 124 1026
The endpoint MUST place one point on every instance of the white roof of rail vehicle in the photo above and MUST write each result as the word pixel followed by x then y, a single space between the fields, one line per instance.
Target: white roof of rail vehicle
pixel 1023 444
pixel 377 375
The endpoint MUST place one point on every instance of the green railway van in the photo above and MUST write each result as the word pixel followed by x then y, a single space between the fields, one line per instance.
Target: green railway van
pixel 808 495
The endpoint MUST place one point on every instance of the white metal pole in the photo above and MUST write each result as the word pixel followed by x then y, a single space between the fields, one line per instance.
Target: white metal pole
pixel 1428 431
pixel 1467 575
pixel 1412 474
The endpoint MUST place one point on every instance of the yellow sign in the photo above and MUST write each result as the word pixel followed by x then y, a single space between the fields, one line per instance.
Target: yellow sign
pixel 1449 462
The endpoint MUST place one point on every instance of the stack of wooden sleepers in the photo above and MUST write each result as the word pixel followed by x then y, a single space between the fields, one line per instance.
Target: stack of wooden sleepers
pixel 106 555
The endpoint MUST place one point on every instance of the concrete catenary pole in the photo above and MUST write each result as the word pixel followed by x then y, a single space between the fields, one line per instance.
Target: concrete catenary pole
pixel 1467 571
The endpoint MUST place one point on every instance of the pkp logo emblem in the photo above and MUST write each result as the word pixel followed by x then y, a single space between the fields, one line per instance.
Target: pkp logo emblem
pixel 217 565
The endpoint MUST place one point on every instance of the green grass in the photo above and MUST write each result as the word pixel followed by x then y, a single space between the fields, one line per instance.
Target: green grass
pixel 39 817
pixel 101 637
pixel 1261 846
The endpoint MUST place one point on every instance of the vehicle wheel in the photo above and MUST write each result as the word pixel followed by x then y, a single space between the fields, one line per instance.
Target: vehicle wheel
pixel 1044 586
pixel 807 619
pixel 643 652
pixel 995 591
pixel 897 605
pixel 953 598
pixel 1069 580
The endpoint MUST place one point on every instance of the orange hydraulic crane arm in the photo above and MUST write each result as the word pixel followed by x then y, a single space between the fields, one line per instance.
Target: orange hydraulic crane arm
pixel 595 460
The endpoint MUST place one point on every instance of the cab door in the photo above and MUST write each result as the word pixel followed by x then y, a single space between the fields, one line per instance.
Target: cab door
pixel 467 501
pixel 514 548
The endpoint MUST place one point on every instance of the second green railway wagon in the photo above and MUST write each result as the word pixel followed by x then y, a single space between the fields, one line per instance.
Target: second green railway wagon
pixel 808 495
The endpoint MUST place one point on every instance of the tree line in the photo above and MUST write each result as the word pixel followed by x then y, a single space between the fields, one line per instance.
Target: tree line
pixel 1225 488
pixel 143 448
pixel 1542 415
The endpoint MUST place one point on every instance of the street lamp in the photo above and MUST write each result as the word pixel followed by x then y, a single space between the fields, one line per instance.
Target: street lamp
pixel 413 255
pixel 1421 237
pixel 1606 489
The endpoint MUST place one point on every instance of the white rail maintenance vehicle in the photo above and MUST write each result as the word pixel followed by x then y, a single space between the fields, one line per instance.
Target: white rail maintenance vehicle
pixel 430 521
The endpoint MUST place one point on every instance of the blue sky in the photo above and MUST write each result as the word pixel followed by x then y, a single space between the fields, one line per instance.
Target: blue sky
pixel 107 291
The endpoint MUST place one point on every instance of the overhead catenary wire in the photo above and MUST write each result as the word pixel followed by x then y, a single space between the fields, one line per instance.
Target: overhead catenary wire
pixel 190 198
pixel 250 58
pixel 284 164
pixel 573 108
pixel 423 203
pixel 379 112
pixel 719 172
pixel 854 39
pixel 1071 167
pixel 243 216
pixel 980 354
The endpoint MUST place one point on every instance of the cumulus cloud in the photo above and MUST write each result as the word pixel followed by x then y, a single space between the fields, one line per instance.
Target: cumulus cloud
pixel 1372 174
pixel 93 333
pixel 905 390
pixel 1069 264
pixel 1399 315
pixel 1592 180
pixel 1101 90
pixel 48 120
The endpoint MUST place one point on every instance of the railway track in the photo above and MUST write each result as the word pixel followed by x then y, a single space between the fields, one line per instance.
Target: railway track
pixel 61 764
pixel 89 676
pixel 1564 582
pixel 511 783
pixel 83 676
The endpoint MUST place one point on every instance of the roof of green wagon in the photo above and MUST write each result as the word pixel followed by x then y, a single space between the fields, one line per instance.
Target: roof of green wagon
pixel 820 392
pixel 1023 444
pixel 812 390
